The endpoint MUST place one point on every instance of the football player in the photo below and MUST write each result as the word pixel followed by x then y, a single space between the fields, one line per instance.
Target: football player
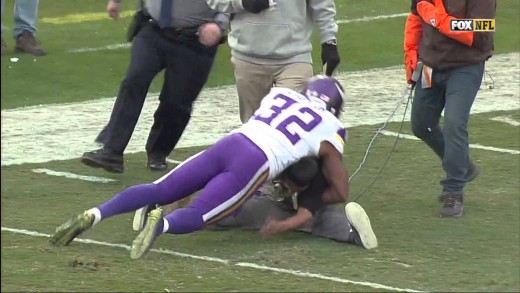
pixel 287 127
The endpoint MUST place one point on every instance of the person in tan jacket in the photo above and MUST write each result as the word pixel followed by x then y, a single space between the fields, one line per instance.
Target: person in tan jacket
pixel 451 64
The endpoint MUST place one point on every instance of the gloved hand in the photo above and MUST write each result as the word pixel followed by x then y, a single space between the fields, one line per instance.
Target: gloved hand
pixel 435 14
pixel 410 63
pixel 329 57
pixel 257 6
pixel 412 39
pixel 414 5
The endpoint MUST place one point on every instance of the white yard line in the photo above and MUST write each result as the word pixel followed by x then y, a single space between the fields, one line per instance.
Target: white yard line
pixel 101 16
pixel 84 17
pixel 372 18
pixel 64 131
pixel 173 161
pixel 102 48
pixel 73 176
pixel 471 145
pixel 226 262
pixel 507 120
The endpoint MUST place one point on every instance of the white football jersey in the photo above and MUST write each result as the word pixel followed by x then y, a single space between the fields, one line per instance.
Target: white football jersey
pixel 288 126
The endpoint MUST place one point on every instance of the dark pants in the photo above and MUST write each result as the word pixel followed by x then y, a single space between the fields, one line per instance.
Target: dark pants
pixel 453 91
pixel 188 64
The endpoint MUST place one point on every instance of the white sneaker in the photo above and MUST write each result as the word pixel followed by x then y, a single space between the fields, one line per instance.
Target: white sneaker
pixel 140 217
pixel 359 220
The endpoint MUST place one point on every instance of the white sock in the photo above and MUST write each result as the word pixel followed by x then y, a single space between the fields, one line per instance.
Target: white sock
pixel 166 226
pixel 97 215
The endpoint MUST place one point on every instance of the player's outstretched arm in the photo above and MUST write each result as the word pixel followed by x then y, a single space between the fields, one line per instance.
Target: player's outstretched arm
pixel 335 173
pixel 273 226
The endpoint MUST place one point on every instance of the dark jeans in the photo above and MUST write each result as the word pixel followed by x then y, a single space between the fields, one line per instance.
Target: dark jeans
pixel 187 63
pixel 454 91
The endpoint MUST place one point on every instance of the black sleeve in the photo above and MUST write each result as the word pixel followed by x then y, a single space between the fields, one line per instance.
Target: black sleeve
pixel 310 198
pixel 413 9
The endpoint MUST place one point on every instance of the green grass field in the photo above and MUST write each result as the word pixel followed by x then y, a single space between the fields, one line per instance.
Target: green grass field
pixel 418 250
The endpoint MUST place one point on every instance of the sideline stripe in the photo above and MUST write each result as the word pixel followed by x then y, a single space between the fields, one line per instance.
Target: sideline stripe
pixel 224 261
pixel 471 145
pixel 102 48
pixel 73 176
pixel 216 113
pixel 127 45
pixel 371 18
pixel 173 161
pixel 506 119
pixel 97 16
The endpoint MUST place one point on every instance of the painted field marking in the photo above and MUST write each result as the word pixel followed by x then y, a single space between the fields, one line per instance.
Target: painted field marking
pixel 471 145
pixel 506 119
pixel 73 176
pixel 372 18
pixel 372 95
pixel 101 16
pixel 224 261
pixel 97 16
pixel 102 48
pixel 173 161
pixel 84 17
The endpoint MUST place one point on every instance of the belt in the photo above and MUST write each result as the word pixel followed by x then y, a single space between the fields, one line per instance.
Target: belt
pixel 190 31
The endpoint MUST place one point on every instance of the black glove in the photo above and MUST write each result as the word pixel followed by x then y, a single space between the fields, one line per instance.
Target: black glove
pixel 330 56
pixel 255 6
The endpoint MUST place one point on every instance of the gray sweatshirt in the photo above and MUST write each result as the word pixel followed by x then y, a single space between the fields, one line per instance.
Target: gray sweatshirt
pixel 279 35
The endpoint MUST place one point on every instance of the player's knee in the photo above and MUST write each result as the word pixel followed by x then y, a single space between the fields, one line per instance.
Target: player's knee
pixel 160 193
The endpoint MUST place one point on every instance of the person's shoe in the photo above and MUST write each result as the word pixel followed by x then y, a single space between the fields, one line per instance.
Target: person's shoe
pixel 140 217
pixel 452 205
pixel 4 47
pixel 157 164
pixel 69 230
pixel 472 173
pixel 105 159
pixel 362 233
pixel 152 229
pixel 27 43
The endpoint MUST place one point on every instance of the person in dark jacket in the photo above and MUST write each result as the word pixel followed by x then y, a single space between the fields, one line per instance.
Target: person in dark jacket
pixel 181 37
pixel 451 65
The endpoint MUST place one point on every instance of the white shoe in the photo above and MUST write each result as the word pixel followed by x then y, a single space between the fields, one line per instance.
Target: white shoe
pixel 359 220
pixel 140 217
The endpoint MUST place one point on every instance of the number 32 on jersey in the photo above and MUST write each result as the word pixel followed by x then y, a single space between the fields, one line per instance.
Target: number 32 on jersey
pixel 305 119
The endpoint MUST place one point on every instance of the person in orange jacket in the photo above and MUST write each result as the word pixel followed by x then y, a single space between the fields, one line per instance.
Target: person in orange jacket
pixel 441 44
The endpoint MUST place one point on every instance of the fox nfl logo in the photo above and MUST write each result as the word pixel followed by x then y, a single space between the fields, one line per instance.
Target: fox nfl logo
pixel 473 25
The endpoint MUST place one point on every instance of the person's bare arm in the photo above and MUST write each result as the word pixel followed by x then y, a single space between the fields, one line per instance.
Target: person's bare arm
pixel 273 226
pixel 335 173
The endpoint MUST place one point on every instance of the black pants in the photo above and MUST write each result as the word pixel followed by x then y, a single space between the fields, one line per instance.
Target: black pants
pixel 187 63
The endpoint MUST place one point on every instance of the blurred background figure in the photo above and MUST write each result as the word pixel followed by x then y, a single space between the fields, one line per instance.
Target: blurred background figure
pixel 24 31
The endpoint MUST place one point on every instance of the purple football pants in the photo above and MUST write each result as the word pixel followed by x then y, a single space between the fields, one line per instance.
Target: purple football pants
pixel 228 173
